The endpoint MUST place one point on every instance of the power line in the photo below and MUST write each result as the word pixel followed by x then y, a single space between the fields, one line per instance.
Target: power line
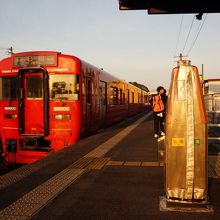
pixel 188 34
pixel 178 38
pixel 199 30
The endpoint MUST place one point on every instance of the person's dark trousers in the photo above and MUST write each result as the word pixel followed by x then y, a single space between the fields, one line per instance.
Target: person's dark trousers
pixel 158 124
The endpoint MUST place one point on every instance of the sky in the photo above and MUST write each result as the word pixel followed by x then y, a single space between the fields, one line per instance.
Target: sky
pixel 131 45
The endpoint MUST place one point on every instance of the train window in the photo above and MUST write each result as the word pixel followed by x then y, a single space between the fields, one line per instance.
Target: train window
pixel 114 96
pixel 89 91
pixel 139 98
pixel 102 93
pixel 132 98
pixel 128 96
pixel 123 98
pixel 146 97
pixel 120 97
pixel 8 87
pixel 64 87
pixel 34 87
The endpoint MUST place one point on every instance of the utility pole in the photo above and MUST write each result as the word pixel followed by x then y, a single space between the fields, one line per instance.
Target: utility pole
pixel 180 58
pixel 202 72
pixel 9 50
pixel 202 80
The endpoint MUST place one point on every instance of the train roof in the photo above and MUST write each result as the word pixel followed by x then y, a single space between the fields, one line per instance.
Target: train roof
pixel 105 76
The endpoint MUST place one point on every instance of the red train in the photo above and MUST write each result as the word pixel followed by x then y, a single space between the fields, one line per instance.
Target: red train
pixel 49 100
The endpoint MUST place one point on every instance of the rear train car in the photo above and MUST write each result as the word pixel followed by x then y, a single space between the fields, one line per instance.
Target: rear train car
pixel 49 100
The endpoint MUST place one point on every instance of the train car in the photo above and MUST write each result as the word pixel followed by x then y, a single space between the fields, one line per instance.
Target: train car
pixel 50 100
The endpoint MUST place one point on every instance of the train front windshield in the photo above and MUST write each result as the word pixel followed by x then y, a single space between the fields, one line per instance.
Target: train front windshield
pixel 8 87
pixel 64 87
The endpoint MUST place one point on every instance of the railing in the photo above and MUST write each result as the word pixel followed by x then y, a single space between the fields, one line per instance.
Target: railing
pixel 212 105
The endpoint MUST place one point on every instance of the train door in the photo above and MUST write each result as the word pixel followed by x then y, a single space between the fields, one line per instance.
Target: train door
pixel 33 101
pixel 89 114
pixel 102 103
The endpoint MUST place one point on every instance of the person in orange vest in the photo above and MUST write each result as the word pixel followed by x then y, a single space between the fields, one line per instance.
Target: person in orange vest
pixel 164 99
pixel 158 111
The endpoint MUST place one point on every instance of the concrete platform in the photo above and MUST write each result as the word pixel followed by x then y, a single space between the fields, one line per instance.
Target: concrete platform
pixel 124 181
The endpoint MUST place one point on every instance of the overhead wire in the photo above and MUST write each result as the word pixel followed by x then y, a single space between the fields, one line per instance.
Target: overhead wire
pixel 197 35
pixel 200 26
pixel 190 29
pixel 178 38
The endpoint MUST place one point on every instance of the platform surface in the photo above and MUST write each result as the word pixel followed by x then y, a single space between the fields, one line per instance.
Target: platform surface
pixel 113 174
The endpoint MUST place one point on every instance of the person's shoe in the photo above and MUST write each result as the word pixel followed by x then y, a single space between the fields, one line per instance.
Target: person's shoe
pixel 156 135
pixel 162 133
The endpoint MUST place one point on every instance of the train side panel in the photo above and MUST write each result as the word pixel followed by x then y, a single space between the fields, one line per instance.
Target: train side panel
pixel 50 100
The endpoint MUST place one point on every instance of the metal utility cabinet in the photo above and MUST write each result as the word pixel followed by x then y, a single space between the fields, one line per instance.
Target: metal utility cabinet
pixel 186 138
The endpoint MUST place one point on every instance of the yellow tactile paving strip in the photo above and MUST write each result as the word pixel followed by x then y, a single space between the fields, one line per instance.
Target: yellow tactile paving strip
pixel 134 163
pixel 151 164
pixel 99 152
pixel 19 174
pixel 112 142
pixel 82 163
pixel 35 200
pixel 44 193
pixel 115 163
pixel 98 163
pixel 32 202
pixel 213 165
pixel 24 171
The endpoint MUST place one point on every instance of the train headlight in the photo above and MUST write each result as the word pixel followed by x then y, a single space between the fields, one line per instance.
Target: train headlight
pixel 61 117
pixel 10 116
